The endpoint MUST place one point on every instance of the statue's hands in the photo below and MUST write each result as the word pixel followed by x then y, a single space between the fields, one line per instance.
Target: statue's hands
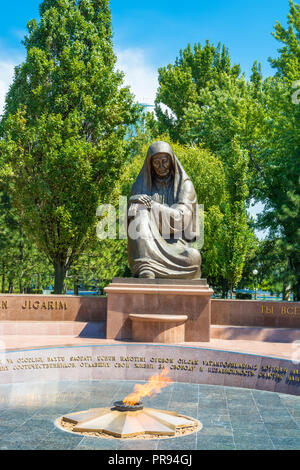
pixel 142 199
pixel 147 201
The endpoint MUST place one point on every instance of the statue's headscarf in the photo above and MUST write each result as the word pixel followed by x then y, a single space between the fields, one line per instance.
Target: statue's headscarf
pixel 143 183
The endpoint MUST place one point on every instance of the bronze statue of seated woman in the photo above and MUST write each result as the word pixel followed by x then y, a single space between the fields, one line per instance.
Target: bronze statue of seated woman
pixel 162 219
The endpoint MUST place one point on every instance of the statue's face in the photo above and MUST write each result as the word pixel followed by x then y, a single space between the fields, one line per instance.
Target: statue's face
pixel 161 164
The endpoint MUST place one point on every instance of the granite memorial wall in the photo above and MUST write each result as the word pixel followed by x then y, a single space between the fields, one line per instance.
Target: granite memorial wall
pixel 138 362
pixel 71 308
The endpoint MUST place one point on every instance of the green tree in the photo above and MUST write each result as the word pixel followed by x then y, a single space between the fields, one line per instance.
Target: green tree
pixel 288 61
pixel 62 133
pixel 22 266
pixel 181 84
pixel 280 149
pixel 228 112
pixel 224 113
pixel 273 267
pixel 252 260
pixel 235 230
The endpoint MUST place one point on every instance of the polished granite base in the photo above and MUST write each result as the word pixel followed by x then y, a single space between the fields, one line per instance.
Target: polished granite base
pixel 159 298
pixel 232 418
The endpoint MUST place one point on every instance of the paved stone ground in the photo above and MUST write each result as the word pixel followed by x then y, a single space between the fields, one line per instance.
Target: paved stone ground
pixel 232 418
pixel 276 342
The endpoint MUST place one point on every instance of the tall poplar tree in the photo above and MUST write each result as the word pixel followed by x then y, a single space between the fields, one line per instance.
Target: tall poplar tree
pixel 62 133
pixel 235 237
pixel 280 155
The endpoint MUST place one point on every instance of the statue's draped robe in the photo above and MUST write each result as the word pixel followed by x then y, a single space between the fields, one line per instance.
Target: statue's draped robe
pixel 166 230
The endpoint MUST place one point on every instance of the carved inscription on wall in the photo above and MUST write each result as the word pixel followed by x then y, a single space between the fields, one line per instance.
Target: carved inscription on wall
pixel 32 304
pixel 48 305
pixel 283 310
pixel 195 367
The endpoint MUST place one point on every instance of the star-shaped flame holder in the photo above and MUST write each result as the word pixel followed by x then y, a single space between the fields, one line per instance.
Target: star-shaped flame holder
pixel 127 423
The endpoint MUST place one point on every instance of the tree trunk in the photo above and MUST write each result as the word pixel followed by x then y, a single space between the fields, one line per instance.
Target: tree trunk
pixel 21 247
pixel 76 283
pixel 60 274
pixel 224 291
pixel 285 291
pixel 37 287
pixel 296 291
pixel 3 278
pixel 294 264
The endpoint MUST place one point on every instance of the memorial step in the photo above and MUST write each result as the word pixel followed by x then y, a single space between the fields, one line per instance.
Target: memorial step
pixel 270 335
pixel 60 328
pixel 98 330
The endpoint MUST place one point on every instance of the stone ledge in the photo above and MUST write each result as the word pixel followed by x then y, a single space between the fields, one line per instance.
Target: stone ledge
pixel 158 318
pixel 159 289
pixel 159 286
pixel 172 282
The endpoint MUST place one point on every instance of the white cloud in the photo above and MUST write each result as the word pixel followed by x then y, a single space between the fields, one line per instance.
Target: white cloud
pixel 165 108
pixel 6 77
pixel 139 75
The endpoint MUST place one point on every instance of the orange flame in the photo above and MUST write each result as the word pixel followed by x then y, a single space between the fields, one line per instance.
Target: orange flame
pixel 153 386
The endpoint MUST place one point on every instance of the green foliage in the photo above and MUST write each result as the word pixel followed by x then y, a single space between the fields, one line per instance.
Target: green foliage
pixel 22 266
pixel 64 125
pixel 235 231
pixel 273 267
pixel 227 113
pixel 279 154
pixel 256 122
pixel 71 138
pixel 101 261
pixel 288 62
pixel 181 84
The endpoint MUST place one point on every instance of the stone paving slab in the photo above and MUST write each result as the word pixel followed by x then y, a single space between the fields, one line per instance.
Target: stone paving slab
pixel 242 420
pixel 19 342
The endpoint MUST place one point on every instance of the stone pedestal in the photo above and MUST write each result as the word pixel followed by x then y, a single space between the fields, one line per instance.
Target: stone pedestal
pixel 169 329
pixel 159 297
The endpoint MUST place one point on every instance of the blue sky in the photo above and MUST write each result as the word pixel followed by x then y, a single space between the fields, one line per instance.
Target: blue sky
pixel 149 34
pixel 163 27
